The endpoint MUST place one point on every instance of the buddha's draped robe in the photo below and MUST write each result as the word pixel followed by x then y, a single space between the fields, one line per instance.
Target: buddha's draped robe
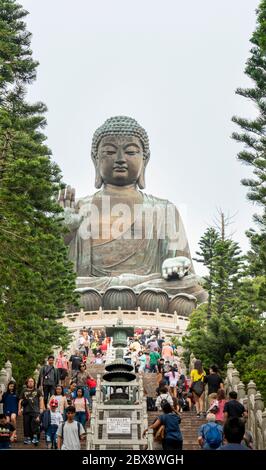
pixel 133 258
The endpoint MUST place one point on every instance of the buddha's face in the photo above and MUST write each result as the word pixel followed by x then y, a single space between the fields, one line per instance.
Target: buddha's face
pixel 120 160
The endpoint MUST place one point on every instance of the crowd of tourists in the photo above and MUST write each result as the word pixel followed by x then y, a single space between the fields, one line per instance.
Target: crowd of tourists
pixel 59 402
pixel 225 426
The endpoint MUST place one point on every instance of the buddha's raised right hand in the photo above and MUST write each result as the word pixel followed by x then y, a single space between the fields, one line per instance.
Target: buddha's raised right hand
pixel 66 197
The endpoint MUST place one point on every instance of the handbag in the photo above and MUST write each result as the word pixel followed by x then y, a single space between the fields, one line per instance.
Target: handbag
pixel 214 408
pixel 198 387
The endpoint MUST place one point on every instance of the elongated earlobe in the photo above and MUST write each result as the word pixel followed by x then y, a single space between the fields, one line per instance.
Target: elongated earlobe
pixel 141 180
pixel 98 179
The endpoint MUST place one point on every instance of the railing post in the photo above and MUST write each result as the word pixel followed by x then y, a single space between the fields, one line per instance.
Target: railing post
pixel 259 405
pixel 235 379
pixel 230 369
pixel 101 315
pixel 263 428
pixel 150 439
pixel 241 393
pixel 8 367
pixel 36 372
pixel 98 389
pixel 3 379
pixel 252 390
pixel 141 389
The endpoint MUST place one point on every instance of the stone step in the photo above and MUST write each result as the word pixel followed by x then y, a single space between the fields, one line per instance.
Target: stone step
pixel 20 438
pixel 189 426
pixel 190 423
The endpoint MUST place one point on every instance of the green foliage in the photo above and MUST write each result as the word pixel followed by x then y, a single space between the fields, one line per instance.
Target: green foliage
pixel 253 130
pixel 206 256
pixel 222 257
pixel 250 360
pixel 253 137
pixel 36 278
pixel 257 253
pixel 232 325
pixel 224 337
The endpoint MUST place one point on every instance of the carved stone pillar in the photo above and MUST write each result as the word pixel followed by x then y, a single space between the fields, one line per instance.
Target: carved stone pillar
pixel 264 428
pixel 259 405
pixel 8 367
pixel 235 380
pixel 98 389
pixel 3 379
pixel 141 390
pixel 241 393
pixel 36 372
pixel 230 369
pixel 150 439
pixel 252 389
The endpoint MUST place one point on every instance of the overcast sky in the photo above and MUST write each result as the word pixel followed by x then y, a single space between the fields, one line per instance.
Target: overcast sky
pixel 174 66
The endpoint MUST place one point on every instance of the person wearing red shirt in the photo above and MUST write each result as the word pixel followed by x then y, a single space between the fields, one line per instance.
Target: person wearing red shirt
pixel 91 382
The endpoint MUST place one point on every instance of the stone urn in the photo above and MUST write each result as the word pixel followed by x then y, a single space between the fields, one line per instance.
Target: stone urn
pixel 152 298
pixel 182 304
pixel 120 296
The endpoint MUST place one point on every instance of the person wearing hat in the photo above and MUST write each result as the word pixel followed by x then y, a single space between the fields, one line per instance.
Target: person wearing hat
pixel 51 423
pixel 98 358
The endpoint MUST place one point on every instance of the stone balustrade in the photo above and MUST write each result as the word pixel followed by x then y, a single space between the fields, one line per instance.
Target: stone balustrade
pixel 172 323
pixel 5 377
pixel 251 398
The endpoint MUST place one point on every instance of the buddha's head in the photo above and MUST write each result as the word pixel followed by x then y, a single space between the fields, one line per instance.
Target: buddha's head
pixel 120 152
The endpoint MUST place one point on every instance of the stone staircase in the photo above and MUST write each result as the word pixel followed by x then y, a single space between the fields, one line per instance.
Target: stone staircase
pixel 189 424
pixel 41 446
pixel 189 427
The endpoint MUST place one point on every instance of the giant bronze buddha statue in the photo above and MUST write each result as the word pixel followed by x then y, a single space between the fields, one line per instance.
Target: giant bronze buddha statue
pixel 121 236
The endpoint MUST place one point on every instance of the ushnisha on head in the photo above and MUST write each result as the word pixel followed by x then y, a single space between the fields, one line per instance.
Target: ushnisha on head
pixel 120 152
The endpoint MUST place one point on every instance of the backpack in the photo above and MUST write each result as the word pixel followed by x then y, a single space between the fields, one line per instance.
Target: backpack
pixel 164 401
pixel 183 404
pixel 212 436
pixel 151 404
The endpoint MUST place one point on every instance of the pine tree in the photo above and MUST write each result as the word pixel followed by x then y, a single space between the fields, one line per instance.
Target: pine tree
pixel 254 139
pixel 228 262
pixel 206 255
pixel 237 327
pixel 224 261
pixel 253 130
pixel 36 278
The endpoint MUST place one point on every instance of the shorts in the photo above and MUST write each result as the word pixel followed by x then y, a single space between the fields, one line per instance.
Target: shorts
pixel 63 373
pixel 51 433
pixel 11 412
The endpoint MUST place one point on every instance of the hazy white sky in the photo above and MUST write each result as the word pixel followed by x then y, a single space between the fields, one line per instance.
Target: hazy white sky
pixel 174 66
